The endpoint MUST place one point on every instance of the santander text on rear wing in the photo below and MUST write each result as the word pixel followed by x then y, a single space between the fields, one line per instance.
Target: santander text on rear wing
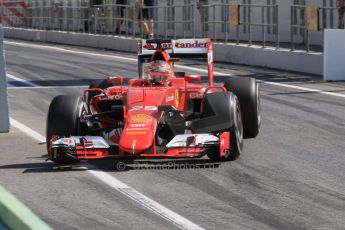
pixel 194 47
pixel 180 46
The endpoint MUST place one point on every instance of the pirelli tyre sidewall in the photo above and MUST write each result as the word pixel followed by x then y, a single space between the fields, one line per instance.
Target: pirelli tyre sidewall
pixel 64 119
pixel 236 130
pixel 247 91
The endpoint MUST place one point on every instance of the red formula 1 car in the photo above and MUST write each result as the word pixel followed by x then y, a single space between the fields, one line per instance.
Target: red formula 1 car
pixel 162 113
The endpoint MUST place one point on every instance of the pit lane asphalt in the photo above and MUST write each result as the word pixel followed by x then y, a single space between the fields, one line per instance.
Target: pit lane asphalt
pixel 290 177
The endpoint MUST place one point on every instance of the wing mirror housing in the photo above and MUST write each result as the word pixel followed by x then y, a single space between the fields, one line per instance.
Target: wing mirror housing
pixel 192 78
pixel 115 80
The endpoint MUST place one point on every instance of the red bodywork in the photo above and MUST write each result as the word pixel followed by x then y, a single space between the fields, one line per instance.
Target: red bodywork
pixel 140 100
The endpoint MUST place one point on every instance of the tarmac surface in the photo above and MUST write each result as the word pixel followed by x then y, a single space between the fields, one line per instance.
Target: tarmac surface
pixel 292 176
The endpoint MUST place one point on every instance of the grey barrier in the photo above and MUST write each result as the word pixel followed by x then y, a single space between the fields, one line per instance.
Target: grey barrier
pixel 4 116
pixel 266 20
pixel 170 21
pixel 327 20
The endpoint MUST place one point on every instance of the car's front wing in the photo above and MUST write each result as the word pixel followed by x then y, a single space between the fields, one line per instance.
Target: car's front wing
pixel 95 147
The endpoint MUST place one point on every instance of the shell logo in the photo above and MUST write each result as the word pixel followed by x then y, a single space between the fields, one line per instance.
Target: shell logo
pixel 141 118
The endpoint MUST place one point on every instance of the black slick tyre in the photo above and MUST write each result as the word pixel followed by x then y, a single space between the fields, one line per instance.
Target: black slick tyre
pixel 236 131
pixel 228 110
pixel 247 91
pixel 64 120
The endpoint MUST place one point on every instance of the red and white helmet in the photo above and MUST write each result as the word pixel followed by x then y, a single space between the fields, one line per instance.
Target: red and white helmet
pixel 159 70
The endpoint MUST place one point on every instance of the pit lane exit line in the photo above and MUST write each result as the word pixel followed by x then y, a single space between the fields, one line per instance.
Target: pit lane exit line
pixel 179 66
pixel 153 206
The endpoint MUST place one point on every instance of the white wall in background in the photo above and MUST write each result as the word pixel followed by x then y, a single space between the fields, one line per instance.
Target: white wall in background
pixel 334 55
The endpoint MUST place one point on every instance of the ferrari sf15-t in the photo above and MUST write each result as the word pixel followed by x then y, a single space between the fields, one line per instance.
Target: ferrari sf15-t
pixel 182 116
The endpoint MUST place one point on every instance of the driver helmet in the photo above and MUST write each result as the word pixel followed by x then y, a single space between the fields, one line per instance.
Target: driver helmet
pixel 159 70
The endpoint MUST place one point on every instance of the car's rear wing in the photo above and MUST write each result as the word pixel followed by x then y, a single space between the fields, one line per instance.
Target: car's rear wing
pixel 195 47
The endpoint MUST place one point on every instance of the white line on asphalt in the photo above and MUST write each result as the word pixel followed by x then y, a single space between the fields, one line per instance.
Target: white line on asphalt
pixel 121 187
pixel 69 51
pixel 304 89
pixel 35 135
pixel 179 66
pixel 145 201
pixel 30 84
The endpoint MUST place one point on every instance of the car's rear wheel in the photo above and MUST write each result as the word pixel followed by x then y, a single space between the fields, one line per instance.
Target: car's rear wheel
pixel 247 92
pixel 64 120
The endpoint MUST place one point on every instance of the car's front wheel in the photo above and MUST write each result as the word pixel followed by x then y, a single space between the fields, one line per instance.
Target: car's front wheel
pixel 221 112
pixel 64 120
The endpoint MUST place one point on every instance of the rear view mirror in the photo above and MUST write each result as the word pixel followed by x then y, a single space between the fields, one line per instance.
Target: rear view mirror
pixel 115 79
pixel 192 78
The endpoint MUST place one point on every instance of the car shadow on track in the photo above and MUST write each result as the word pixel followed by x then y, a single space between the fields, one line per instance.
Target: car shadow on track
pixel 111 165
pixel 154 164
pixel 44 167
